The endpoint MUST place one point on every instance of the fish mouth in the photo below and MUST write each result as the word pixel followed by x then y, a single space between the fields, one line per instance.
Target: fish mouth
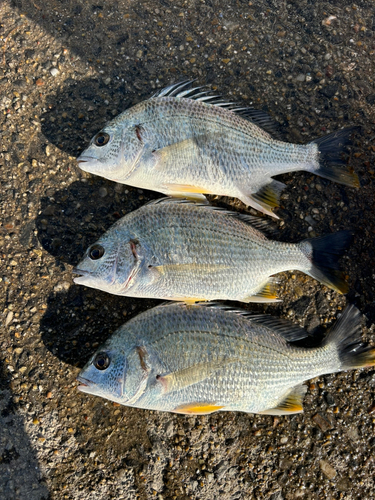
pixel 81 160
pixel 85 384
pixel 82 274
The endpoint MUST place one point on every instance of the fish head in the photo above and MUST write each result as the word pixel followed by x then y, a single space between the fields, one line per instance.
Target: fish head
pixel 105 373
pixel 114 152
pixel 111 264
pixel 117 371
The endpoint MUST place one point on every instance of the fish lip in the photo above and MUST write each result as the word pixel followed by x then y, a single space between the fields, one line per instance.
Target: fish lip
pixel 80 272
pixel 84 383
pixel 86 159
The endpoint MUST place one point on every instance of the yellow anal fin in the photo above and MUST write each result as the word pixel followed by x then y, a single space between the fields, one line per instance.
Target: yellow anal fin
pixel 266 294
pixel 269 195
pixel 197 408
pixel 292 403
pixel 188 188
pixel 265 199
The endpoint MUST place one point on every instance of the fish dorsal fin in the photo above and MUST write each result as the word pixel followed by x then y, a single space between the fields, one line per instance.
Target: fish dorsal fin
pixel 262 120
pixel 289 331
pixel 256 116
pixel 259 223
pixel 291 403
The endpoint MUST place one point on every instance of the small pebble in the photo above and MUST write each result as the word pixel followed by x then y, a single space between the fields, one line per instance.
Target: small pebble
pixel 322 422
pixel 54 71
pixel 327 469
pixel 9 318
pixel 103 192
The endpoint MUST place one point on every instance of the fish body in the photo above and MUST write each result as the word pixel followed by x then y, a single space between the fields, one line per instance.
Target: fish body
pixel 197 359
pixel 178 250
pixel 185 146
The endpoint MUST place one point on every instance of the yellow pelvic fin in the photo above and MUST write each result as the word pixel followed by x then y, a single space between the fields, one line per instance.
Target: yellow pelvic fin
pixel 186 190
pixel 292 403
pixel 266 294
pixel 191 302
pixel 197 408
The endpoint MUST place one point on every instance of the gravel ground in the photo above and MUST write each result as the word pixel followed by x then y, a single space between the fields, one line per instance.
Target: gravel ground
pixel 65 69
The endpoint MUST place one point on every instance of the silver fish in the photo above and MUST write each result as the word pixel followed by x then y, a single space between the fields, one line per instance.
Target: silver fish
pixel 185 143
pixel 178 250
pixel 199 359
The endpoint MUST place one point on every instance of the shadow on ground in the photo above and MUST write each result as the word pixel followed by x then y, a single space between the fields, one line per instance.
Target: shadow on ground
pixel 19 469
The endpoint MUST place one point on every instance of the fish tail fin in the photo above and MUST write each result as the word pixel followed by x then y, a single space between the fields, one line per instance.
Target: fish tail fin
pixel 345 336
pixel 331 165
pixel 324 253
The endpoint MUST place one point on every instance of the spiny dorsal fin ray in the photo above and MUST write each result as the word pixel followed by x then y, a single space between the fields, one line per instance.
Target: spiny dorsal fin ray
pixel 288 330
pixel 171 89
pixel 256 116
pixel 283 327
pixel 259 223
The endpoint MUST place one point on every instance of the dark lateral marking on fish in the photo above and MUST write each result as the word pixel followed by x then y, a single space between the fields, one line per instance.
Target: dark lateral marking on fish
pixel 133 248
pixel 138 130
pixel 142 354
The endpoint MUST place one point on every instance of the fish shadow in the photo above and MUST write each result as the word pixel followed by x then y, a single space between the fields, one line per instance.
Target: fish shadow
pixel 78 110
pixel 77 318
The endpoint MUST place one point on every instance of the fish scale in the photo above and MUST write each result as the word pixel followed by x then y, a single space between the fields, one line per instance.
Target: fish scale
pixel 185 146
pixel 199 359
pixel 178 250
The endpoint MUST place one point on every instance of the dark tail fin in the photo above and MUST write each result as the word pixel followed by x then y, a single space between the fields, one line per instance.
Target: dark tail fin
pixel 346 336
pixel 324 253
pixel 331 164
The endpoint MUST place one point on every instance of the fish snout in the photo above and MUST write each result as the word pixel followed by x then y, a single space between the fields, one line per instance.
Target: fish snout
pixel 82 160
pixel 81 272
pixel 85 384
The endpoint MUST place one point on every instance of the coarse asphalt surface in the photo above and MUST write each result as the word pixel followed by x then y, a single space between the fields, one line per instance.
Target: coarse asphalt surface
pixel 66 68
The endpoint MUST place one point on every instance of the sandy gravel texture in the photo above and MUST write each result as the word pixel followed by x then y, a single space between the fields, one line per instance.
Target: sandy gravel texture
pixel 65 69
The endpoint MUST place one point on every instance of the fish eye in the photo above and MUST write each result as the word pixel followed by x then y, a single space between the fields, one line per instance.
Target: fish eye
pixel 101 361
pixel 101 139
pixel 96 252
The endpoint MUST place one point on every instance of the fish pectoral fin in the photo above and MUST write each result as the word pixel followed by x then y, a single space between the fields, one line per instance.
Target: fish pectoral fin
pixel 180 379
pixel 268 293
pixel 197 408
pixel 177 152
pixel 200 269
pixel 292 402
